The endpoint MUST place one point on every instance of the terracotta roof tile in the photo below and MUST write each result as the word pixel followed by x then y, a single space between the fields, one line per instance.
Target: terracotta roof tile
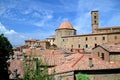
pixel 65 25
pixel 52 57
pixel 16 64
pixel 111 47
pixel 81 62
pixel 53 60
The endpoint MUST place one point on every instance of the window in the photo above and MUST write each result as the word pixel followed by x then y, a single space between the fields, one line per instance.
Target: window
pixel 103 38
pixel 86 46
pixel 102 56
pixel 63 40
pixel 95 45
pixel 98 54
pixel 94 17
pixel 115 37
pixel 95 22
pixel 86 38
pixel 78 45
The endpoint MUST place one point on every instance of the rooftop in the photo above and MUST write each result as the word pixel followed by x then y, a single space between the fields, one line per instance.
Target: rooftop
pixel 65 25
pixel 81 62
pixel 111 47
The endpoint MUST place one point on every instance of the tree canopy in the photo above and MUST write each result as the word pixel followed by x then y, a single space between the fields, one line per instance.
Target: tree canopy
pixel 34 70
pixel 81 76
pixel 5 51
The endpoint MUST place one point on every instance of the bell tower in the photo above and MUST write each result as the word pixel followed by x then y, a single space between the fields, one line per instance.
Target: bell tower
pixel 94 20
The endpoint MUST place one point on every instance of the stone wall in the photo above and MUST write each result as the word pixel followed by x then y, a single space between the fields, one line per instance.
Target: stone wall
pixel 89 41
pixel 105 77
pixel 97 52
pixel 65 76
pixel 115 57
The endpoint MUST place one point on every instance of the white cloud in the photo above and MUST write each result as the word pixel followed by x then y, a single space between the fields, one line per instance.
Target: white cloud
pixel 10 32
pixel 5 31
pixel 14 37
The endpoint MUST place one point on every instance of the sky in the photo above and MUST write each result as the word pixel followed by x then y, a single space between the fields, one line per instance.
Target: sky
pixel 38 19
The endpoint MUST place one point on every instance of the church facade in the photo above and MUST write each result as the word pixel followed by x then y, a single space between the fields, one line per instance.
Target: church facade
pixel 66 38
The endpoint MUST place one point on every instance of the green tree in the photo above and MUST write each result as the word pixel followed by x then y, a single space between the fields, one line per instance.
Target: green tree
pixel 5 51
pixel 82 77
pixel 34 70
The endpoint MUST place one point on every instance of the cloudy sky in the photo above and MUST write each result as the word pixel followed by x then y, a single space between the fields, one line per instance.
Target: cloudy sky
pixel 38 19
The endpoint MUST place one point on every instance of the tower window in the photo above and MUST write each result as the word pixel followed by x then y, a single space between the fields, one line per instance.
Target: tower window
pixel 94 17
pixel 95 22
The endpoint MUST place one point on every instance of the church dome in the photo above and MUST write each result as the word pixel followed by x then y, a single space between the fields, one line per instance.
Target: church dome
pixel 65 25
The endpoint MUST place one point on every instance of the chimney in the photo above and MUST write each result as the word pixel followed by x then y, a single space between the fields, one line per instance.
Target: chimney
pixel 90 64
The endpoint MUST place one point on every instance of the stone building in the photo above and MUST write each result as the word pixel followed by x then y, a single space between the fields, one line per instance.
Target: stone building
pixel 37 44
pixel 107 52
pixel 95 69
pixel 66 37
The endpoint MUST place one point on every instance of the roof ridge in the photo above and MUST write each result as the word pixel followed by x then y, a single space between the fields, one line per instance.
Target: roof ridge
pixel 77 60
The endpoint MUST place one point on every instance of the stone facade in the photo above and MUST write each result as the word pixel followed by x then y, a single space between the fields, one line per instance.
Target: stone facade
pixel 88 41
pixel 104 76
pixel 93 75
pixel 68 30
pixel 110 53
pixel 66 37
pixel 64 76
pixel 37 44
